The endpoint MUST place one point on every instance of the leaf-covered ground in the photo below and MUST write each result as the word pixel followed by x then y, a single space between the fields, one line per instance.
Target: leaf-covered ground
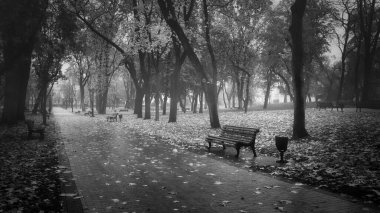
pixel 29 181
pixel 342 155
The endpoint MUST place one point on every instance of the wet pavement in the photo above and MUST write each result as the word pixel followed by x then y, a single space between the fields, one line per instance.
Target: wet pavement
pixel 118 170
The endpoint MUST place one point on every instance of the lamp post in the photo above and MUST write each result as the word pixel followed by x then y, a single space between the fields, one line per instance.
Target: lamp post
pixel 282 146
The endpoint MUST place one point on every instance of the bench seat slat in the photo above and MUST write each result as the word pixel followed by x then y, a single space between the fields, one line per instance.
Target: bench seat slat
pixel 232 141
pixel 235 139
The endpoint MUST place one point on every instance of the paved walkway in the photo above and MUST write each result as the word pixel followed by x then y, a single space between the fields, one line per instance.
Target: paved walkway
pixel 118 170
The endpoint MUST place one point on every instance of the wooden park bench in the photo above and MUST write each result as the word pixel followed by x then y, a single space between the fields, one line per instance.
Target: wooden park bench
pixel 89 113
pixel 324 105
pixel 112 117
pixel 344 103
pixel 339 105
pixel 236 137
pixel 32 129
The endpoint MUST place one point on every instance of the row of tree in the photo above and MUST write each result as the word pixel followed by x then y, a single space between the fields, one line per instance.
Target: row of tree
pixel 163 48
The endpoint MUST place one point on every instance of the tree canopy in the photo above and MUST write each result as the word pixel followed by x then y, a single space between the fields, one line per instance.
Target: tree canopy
pixel 197 50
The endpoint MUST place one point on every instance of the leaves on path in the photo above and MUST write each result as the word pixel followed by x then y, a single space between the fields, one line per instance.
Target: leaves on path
pixel 342 155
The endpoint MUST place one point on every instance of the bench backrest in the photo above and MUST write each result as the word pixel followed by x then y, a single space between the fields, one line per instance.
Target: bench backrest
pixel 324 104
pixel 243 132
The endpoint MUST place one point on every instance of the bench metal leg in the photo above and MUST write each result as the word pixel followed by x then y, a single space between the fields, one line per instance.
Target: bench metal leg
pixel 237 151
pixel 224 146
pixel 209 146
pixel 254 151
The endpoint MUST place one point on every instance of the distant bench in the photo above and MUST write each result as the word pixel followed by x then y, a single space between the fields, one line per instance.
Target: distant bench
pixel 112 117
pixel 324 105
pixel 236 137
pixel 339 105
pixel 89 113
pixel 32 129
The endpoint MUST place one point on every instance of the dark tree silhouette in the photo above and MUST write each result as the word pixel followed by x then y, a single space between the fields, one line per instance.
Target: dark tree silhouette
pixel 209 83
pixel 298 10
pixel 20 23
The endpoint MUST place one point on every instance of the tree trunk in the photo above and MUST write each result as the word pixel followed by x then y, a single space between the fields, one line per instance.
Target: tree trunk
pixel 247 94
pixel 343 60
pixel 212 102
pixel 164 103
pixel 307 83
pixel 184 103
pixel 367 75
pixel 92 100
pixel 18 37
pixel 191 100
pixel 71 97
pixel 287 85
pixel 101 101
pixel 104 77
pixel 37 104
pixel 157 104
pixel 233 94
pixel 174 87
pixel 241 93
pixel 370 31
pixel 167 9
pixel 138 102
pixel 145 72
pixel 228 96
pixel 181 104
pixel 195 102
pixel 201 102
pixel 43 102
pixel 239 89
pixel 267 91
pixel 224 100
pixel 147 100
pixel 329 90
pixel 298 10
pixel 127 88
pixel 173 101
pixel 28 93
pixel 50 103
pixel 357 81
pixel 16 82
pixel 81 90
